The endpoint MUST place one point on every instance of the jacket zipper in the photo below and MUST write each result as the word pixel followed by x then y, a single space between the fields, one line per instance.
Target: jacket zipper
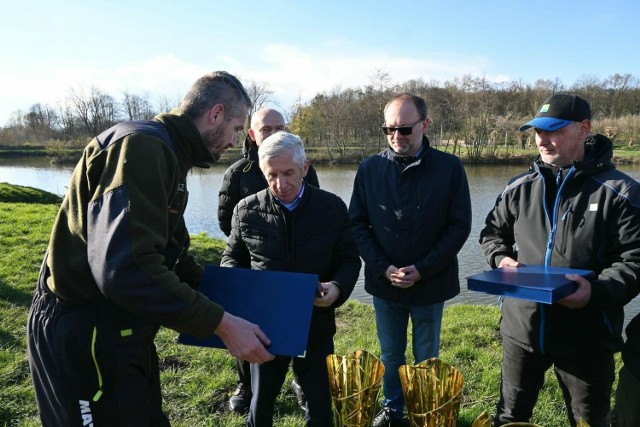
pixel 551 242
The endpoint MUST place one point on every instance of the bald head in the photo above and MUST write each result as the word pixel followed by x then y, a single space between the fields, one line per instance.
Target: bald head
pixel 264 123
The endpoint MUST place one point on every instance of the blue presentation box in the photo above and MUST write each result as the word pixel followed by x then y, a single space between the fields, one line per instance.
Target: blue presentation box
pixel 281 303
pixel 534 283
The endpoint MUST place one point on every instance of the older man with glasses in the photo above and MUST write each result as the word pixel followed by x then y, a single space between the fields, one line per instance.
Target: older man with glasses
pixel 411 210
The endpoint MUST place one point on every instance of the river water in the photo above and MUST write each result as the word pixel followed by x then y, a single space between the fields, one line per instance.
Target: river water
pixel 486 182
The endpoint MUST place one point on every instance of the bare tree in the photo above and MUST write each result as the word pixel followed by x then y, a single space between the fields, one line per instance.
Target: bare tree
pixel 96 110
pixel 380 82
pixel 259 94
pixel 166 103
pixel 41 120
pixel 137 107
pixel 68 122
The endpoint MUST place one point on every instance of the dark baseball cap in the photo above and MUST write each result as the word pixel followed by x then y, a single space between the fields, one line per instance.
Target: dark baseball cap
pixel 558 111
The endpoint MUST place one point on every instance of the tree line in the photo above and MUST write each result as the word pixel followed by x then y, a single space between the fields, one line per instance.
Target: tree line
pixel 469 112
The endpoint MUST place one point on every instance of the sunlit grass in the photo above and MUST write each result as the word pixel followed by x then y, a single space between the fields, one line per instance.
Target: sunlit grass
pixel 198 381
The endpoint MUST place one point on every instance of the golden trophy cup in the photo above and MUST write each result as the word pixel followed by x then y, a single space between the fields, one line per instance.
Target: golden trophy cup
pixel 355 382
pixel 483 420
pixel 432 393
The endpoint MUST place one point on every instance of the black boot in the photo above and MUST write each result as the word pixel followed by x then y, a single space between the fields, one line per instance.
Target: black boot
pixel 241 399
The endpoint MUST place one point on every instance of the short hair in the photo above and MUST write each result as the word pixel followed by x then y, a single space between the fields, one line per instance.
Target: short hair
pixel 218 87
pixel 279 143
pixel 418 101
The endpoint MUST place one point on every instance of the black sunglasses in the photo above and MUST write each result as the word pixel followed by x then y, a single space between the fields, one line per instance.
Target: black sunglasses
pixel 404 130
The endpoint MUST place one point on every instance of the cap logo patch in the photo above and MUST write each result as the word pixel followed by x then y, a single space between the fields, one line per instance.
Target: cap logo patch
pixel 545 108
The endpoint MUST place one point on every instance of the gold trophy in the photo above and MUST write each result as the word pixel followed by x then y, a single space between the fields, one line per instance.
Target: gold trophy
pixel 432 392
pixel 355 382
pixel 483 420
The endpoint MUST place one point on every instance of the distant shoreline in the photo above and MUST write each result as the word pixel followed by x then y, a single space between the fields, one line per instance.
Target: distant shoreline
pixel 520 157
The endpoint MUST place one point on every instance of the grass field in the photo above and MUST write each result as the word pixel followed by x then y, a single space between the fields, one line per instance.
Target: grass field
pixel 198 381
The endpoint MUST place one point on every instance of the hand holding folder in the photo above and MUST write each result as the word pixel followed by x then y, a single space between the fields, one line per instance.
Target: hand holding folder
pixel 535 283
pixel 244 339
pixel 280 303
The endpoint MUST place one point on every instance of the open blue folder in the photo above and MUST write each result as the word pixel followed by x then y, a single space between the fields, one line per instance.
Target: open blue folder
pixel 281 303
pixel 533 283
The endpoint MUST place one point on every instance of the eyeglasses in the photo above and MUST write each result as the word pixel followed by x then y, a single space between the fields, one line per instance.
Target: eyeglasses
pixel 404 130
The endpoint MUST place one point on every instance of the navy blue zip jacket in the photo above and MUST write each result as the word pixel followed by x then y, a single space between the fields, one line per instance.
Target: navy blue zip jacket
pixel 417 214
pixel 592 223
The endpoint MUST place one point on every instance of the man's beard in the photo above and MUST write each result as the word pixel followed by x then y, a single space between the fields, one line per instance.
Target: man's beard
pixel 213 140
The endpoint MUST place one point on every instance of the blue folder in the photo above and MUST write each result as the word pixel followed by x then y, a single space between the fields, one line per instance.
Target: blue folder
pixel 281 303
pixel 534 283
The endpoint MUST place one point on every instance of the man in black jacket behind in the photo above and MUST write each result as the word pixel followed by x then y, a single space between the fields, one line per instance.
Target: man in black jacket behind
pixel 295 227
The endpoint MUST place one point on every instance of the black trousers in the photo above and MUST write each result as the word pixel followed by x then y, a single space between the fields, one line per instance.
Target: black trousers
pixel 92 364
pixel 244 372
pixel 586 380
pixel 312 375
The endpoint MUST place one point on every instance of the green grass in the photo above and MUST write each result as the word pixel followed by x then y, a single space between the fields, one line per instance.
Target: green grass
pixel 198 381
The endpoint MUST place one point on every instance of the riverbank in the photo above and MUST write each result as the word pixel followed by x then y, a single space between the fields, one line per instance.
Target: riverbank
pixel 198 381
pixel 350 155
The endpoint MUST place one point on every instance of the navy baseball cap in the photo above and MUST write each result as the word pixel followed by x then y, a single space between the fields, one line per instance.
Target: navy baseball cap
pixel 558 111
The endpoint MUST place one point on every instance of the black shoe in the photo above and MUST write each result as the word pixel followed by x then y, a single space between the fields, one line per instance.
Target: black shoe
pixel 241 399
pixel 297 390
pixel 387 418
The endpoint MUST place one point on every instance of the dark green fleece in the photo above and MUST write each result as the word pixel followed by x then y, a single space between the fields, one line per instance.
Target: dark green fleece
pixel 120 231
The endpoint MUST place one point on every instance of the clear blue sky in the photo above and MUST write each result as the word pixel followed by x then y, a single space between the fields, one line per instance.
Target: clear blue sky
pixel 301 48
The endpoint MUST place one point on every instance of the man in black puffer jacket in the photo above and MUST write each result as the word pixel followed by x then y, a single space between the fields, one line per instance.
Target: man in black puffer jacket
pixel 242 179
pixel 572 209
pixel 295 227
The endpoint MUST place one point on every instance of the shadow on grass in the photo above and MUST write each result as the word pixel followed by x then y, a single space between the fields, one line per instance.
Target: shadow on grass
pixel 9 340
pixel 15 296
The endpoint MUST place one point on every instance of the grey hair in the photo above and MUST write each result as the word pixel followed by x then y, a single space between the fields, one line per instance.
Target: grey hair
pixel 218 87
pixel 280 143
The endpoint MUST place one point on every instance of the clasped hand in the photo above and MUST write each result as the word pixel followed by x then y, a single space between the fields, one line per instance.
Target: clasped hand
pixel 403 277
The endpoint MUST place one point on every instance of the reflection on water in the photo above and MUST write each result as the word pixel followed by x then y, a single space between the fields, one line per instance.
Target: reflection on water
pixel 486 182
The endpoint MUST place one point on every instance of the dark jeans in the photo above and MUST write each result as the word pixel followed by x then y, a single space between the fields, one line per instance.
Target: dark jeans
pixel 311 373
pixel 90 366
pixel 586 379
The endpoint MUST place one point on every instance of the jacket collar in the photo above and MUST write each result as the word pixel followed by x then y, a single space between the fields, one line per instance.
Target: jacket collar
pixel 598 155
pixel 408 160
pixel 190 147
pixel 250 149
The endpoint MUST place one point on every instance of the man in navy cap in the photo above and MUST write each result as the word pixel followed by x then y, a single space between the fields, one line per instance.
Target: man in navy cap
pixel 571 209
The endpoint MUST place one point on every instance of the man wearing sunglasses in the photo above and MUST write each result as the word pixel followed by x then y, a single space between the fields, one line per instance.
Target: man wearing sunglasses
pixel 411 212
